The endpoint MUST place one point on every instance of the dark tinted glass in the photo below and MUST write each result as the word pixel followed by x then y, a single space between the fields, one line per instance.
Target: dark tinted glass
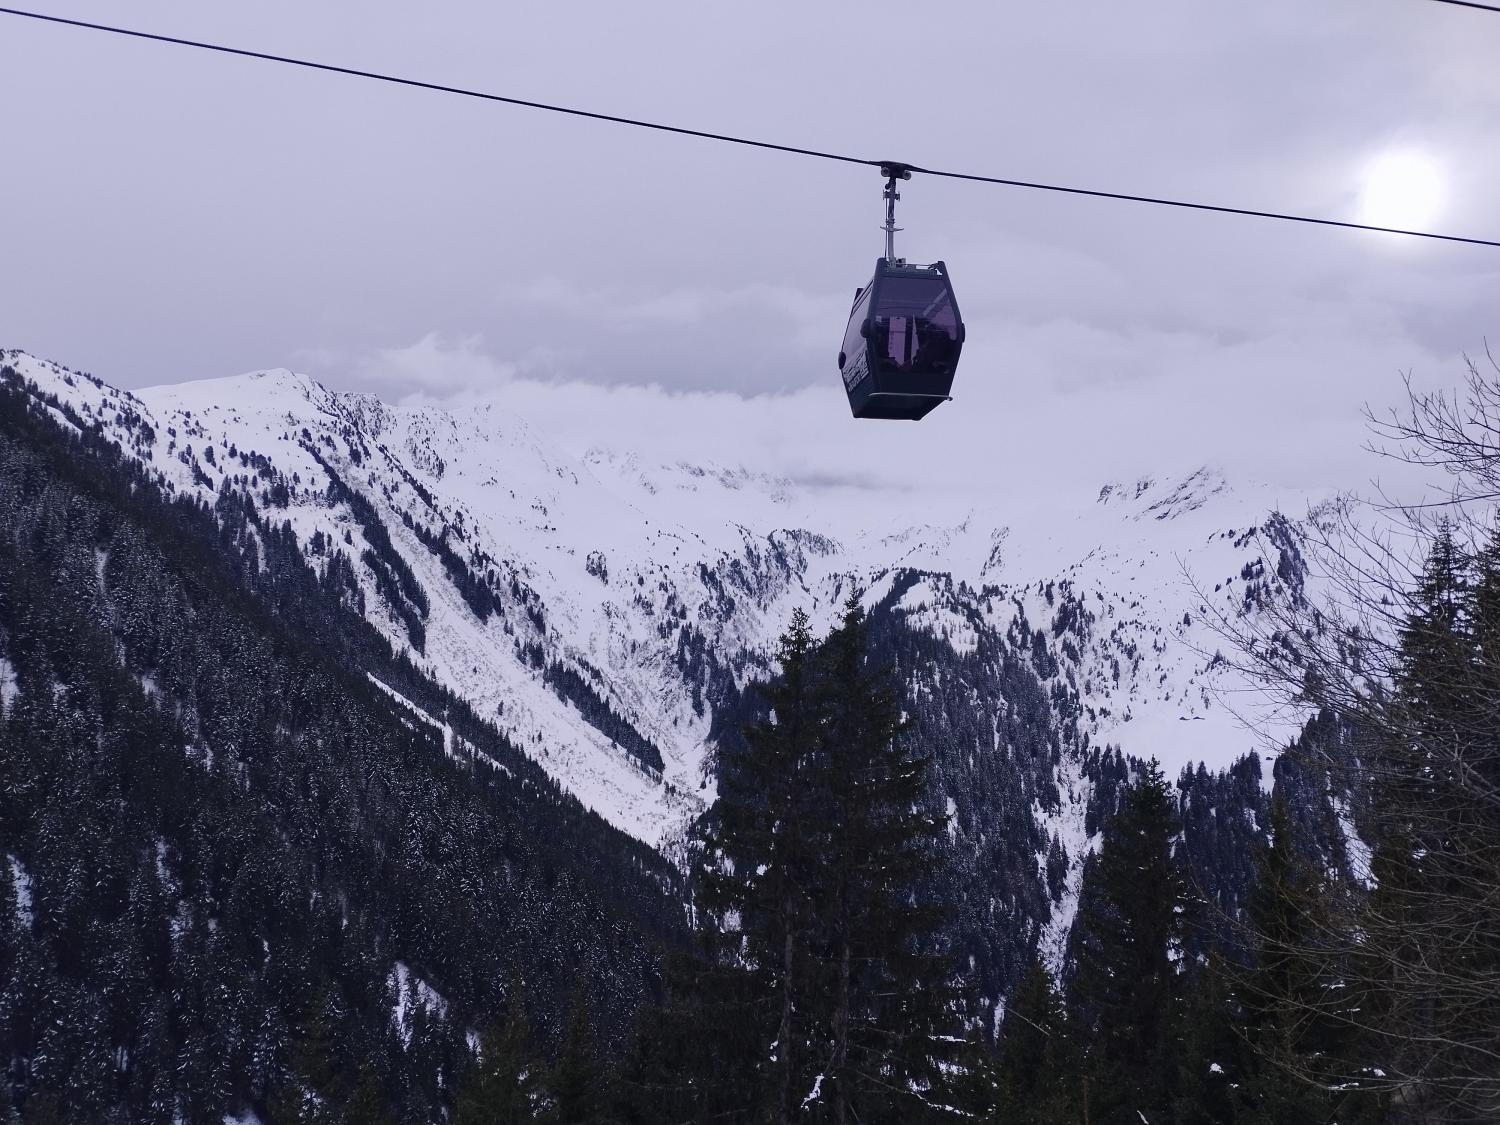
pixel 916 329
pixel 920 298
pixel 852 341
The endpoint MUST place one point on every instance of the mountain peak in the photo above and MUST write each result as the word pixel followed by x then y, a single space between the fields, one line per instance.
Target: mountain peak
pixel 250 393
pixel 1164 501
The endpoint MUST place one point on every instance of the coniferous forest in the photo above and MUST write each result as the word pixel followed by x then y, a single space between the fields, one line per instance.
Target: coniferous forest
pixel 244 880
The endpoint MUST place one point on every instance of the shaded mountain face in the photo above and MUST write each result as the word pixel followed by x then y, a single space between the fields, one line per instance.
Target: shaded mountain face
pixel 241 837
pixel 606 614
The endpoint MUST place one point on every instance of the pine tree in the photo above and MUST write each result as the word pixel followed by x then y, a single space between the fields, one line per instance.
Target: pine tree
pixel 1421 970
pixel 501 1086
pixel 1280 995
pixel 1295 1009
pixel 685 1061
pixel 1435 639
pixel 1211 1069
pixel 152 1070
pixel 881 1005
pixel 756 873
pixel 316 1083
pixel 701 1055
pixel 578 1083
pixel 367 1104
pixel 816 886
pixel 11 936
pixel 1036 1067
pixel 653 1083
pixel 1124 991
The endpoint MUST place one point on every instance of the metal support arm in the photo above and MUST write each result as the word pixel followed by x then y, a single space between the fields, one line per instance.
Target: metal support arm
pixel 892 172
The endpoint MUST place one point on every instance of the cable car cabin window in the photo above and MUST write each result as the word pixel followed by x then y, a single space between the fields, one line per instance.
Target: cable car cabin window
pixel 852 341
pixel 915 328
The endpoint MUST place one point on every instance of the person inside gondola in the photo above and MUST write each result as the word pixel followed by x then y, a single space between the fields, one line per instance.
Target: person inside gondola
pixel 934 348
pixel 898 342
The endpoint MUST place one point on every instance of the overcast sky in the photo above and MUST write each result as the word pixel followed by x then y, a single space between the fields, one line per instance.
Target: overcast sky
pixel 169 215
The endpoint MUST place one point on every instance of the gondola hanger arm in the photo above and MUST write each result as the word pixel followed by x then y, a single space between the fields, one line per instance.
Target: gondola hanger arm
pixel 892 170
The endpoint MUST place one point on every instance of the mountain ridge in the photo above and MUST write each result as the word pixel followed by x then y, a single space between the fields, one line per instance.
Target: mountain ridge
pixel 563 540
pixel 611 620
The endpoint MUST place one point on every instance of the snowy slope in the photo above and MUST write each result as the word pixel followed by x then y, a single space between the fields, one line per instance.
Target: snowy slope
pixel 649 581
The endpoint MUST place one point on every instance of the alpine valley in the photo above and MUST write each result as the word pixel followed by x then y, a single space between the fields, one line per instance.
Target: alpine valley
pixel 417 692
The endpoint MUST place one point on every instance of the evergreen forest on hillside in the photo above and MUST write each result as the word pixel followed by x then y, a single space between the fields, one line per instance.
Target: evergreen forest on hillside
pixel 255 866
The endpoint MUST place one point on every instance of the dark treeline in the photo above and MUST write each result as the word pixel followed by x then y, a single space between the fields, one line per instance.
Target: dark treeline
pixel 228 860
pixel 1141 1027
pixel 821 987
pixel 597 712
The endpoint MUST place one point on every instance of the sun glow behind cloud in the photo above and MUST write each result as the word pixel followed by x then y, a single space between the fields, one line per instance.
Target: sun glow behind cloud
pixel 1404 189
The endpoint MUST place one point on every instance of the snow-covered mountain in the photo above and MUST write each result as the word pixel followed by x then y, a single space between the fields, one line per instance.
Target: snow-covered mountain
pixel 612 567
pixel 605 610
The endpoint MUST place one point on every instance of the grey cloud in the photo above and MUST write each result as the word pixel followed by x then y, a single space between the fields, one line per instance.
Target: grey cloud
pixel 172 216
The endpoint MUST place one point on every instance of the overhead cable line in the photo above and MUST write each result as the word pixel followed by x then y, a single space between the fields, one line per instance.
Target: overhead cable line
pixel 726 138
pixel 437 87
pixel 1245 211
pixel 1470 4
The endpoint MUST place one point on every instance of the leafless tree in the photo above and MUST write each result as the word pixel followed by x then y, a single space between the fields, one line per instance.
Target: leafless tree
pixel 1391 633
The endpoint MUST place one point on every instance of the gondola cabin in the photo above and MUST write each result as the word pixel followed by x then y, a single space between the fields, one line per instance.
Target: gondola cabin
pixel 902 343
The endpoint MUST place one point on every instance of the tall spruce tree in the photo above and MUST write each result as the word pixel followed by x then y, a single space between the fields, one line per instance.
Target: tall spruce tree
pixel 1284 995
pixel 1210 1054
pixel 1124 991
pixel 501 1086
pixel 367 1103
pixel 755 879
pixel 1428 946
pixel 1034 1075
pixel 657 1080
pixel 579 1082
pixel 882 1006
pixel 702 1054
pixel 814 886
